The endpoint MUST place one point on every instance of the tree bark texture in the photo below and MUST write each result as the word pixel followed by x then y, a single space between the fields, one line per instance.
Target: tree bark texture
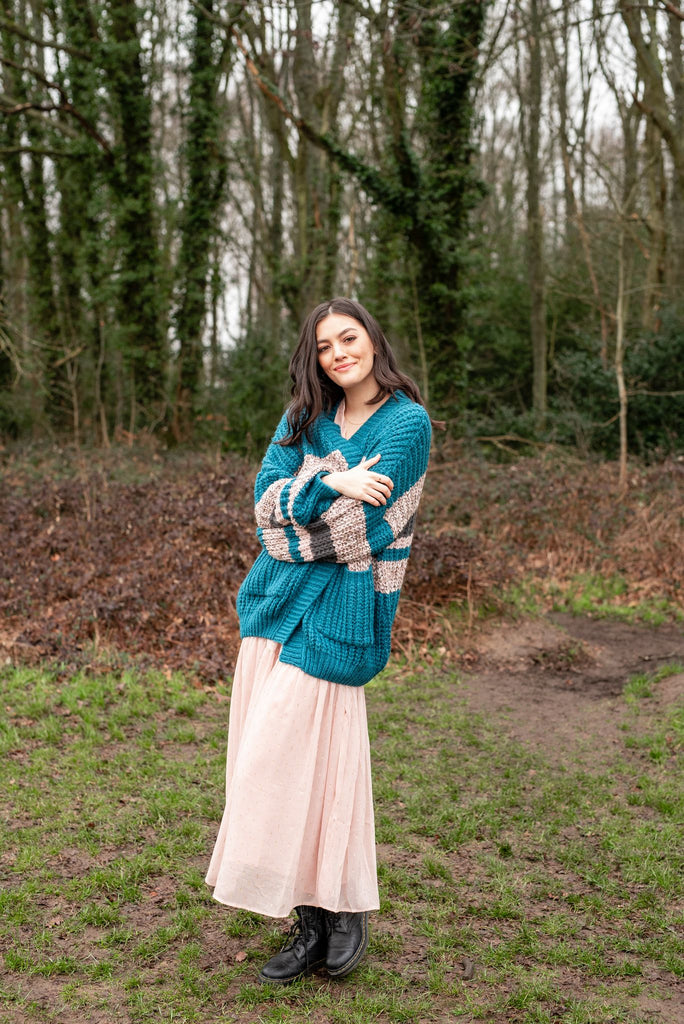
pixel 665 107
pixel 535 230
pixel 140 317
pixel 206 181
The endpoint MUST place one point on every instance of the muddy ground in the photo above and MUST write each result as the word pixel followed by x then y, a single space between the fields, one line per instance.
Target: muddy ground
pixel 557 681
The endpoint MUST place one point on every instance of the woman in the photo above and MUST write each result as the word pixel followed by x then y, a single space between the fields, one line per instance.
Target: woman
pixel 336 499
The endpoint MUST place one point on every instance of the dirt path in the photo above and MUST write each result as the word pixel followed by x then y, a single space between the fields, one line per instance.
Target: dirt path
pixel 557 682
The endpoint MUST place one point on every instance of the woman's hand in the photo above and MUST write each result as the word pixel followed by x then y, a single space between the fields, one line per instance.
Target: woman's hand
pixel 361 483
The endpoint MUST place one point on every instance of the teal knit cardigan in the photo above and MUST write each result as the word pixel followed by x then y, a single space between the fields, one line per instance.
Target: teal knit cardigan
pixel 326 583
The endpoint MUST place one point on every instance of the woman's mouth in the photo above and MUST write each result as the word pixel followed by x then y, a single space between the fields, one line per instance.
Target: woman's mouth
pixel 344 366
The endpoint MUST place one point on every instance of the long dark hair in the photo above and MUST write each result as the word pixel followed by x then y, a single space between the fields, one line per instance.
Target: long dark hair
pixel 312 390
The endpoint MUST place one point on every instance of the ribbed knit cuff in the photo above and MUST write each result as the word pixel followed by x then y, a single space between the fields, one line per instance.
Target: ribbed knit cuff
pixel 319 497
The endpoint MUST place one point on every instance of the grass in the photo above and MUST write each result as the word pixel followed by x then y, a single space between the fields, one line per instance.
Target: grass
pixel 559 883
pixel 592 594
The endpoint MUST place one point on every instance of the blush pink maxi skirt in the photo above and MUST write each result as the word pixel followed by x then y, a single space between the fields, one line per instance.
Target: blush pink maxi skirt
pixel 298 826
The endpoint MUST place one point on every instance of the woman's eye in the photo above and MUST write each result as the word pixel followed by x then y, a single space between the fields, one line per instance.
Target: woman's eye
pixel 322 349
pixel 350 337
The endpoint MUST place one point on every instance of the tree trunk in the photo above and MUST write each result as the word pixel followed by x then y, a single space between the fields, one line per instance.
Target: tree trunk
pixel 535 234
pixel 620 318
pixel 630 122
pixel 206 177
pixel 676 78
pixel 41 295
pixel 656 184
pixel 139 315
pixel 440 208
pixel 665 107
pixel 81 247
pixel 576 233
pixel 316 178
pixel 37 326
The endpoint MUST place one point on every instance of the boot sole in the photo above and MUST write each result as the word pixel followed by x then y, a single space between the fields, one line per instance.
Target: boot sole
pixel 265 980
pixel 340 972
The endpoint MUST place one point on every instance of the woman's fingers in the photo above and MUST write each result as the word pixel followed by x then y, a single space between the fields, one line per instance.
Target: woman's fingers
pixel 365 485
pixel 382 485
pixel 379 493
pixel 385 480
pixel 369 462
pixel 378 489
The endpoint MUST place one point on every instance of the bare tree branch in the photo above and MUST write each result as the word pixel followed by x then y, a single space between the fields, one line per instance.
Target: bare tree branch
pixel 656 106
pixel 672 9
pixel 378 187
pixel 50 44
pixel 66 106
pixel 656 394
pixel 364 10
pixel 54 154
pixel 37 74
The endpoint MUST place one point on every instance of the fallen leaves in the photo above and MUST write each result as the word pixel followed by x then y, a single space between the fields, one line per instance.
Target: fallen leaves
pixel 153 569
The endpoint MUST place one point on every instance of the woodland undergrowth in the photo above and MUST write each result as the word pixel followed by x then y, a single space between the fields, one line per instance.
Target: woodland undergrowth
pixel 137 552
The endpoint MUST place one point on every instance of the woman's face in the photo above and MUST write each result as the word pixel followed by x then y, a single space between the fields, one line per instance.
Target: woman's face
pixel 345 350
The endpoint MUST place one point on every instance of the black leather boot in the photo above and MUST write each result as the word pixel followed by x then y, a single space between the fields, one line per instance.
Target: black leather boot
pixel 304 949
pixel 347 941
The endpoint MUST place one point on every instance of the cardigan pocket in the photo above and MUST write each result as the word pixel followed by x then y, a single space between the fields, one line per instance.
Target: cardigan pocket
pixel 344 614
pixel 270 581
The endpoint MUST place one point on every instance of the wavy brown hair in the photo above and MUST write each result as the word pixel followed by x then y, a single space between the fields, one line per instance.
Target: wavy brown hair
pixel 312 390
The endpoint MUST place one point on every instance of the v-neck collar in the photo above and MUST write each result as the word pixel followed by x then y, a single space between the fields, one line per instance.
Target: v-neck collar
pixel 356 441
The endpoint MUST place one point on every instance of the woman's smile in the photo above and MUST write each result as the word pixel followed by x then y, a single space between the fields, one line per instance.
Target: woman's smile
pixel 345 351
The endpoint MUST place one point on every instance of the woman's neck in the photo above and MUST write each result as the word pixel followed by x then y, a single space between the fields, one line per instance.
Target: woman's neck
pixel 356 399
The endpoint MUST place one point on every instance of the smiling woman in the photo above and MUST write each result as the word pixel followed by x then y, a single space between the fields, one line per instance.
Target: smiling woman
pixel 336 499
pixel 346 353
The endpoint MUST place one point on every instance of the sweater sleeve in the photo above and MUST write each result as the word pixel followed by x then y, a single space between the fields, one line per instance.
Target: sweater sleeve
pixel 353 531
pixel 288 489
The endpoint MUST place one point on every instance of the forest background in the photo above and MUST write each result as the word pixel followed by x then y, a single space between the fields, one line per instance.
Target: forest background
pixel 502 184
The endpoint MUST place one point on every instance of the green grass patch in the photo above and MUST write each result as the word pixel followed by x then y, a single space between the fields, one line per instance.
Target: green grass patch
pixel 643 685
pixel 560 883
pixel 599 596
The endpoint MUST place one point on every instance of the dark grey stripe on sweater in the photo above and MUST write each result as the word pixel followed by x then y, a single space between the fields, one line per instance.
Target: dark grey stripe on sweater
pixel 318 540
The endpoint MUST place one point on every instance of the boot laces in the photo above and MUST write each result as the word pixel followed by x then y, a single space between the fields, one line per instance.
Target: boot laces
pixel 295 933
pixel 299 932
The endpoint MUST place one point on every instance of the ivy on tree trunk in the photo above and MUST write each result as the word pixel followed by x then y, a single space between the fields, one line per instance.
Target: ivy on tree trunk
pixel 206 178
pixel 140 319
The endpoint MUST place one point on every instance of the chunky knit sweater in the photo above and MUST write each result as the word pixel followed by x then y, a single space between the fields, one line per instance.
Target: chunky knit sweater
pixel 326 583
